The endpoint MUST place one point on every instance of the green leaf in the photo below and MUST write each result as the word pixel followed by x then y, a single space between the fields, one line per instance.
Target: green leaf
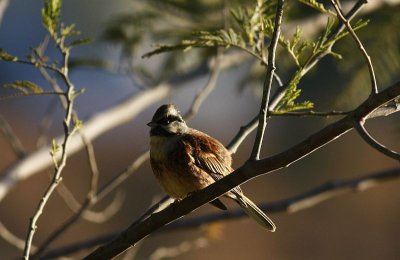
pixel 24 86
pixel 6 56
pixel 317 6
pixel 51 16
pixel 69 30
pixel 78 124
pixel 288 102
pixel 296 46
pixel 81 41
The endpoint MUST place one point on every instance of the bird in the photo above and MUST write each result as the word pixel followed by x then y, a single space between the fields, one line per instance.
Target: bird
pixel 185 160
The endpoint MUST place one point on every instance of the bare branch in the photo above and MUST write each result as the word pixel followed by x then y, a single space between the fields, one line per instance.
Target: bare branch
pixel 68 132
pixel 263 114
pixel 293 204
pixel 299 202
pixel 374 85
pixel 250 170
pixel 207 89
pixel 244 131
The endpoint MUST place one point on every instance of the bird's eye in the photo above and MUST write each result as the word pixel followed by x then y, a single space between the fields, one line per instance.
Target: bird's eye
pixel 166 120
pixel 169 119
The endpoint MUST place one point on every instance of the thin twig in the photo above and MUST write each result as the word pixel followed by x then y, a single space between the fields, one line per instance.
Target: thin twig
pixel 59 167
pixel 208 87
pixel 88 202
pixel 279 94
pixel 374 143
pixel 310 113
pixel 263 114
pixel 44 93
pixel 374 85
pixel 89 150
pixel 243 132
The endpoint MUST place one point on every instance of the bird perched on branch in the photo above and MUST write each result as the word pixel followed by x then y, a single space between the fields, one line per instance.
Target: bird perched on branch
pixel 185 160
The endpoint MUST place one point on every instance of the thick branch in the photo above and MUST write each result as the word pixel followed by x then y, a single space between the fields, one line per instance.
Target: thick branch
pixel 292 204
pixel 250 170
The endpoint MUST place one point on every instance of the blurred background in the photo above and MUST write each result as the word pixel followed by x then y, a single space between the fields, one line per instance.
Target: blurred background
pixel 360 225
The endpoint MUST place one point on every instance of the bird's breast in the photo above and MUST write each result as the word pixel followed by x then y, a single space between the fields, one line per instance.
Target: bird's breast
pixel 161 147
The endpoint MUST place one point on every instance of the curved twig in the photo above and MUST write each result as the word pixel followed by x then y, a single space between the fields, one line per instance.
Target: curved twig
pixel 374 143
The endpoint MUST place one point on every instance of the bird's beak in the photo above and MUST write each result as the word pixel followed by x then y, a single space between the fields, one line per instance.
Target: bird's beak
pixel 151 124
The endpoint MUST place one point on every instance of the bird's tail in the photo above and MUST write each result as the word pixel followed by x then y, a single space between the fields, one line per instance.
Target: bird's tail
pixel 253 211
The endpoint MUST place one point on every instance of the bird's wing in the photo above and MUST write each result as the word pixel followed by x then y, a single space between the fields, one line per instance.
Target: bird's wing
pixel 212 157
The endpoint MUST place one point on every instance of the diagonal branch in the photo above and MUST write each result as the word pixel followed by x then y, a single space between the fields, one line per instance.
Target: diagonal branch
pixel 250 170
pixel 293 204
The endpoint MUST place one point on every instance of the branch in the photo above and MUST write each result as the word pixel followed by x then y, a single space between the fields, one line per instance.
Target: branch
pixel 250 170
pixel 244 131
pixel 12 239
pixel 207 89
pixel 279 94
pixel 374 86
pixel 59 167
pixel 298 202
pixel 374 143
pixel 292 204
pixel 262 121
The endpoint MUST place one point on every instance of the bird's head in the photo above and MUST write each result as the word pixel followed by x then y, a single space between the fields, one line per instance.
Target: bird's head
pixel 167 121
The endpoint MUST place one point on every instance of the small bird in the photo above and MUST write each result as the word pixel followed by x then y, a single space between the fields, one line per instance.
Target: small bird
pixel 185 160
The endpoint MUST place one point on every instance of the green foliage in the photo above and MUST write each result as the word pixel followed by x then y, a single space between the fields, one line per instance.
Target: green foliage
pixel 324 41
pixel 78 124
pixel 288 102
pixel 58 31
pixel 6 56
pixel 204 39
pixel 317 6
pixel 55 148
pixel 51 16
pixel 256 21
pixel 252 24
pixel 295 47
pixel 24 86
